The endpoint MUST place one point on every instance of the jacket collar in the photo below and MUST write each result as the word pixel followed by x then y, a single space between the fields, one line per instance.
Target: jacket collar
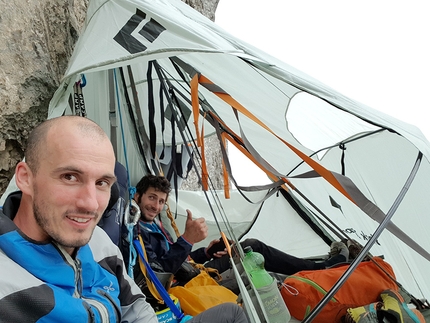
pixel 11 205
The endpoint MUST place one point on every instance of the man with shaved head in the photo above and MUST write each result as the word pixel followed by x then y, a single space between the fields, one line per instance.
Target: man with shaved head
pixel 57 265
pixel 65 180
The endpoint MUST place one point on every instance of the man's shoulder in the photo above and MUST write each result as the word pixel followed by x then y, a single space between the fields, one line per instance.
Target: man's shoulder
pixel 102 246
pixel 23 280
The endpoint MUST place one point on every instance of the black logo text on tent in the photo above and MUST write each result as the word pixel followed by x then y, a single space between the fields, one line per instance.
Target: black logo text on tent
pixel 151 30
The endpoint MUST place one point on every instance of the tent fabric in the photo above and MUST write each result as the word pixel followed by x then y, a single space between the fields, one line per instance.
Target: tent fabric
pixel 127 41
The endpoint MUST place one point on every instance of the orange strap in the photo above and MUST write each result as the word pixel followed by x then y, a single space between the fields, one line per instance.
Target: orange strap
pixel 205 174
pixel 250 157
pixel 195 104
pixel 322 171
pixel 224 170
pixel 226 243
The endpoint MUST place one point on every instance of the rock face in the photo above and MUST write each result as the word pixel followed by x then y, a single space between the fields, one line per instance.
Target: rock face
pixel 36 42
pixel 213 153
pixel 205 7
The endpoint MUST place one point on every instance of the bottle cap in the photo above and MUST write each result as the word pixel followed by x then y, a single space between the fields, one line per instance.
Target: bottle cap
pixel 247 249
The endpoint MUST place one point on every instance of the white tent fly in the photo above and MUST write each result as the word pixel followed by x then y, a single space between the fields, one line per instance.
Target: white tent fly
pixel 158 76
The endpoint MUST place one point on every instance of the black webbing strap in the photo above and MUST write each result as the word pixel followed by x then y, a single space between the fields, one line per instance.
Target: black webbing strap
pixel 162 121
pixel 140 124
pixel 342 159
pixel 138 140
pixel 151 110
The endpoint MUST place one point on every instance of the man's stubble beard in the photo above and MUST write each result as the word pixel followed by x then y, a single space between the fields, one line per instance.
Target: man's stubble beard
pixel 143 216
pixel 45 225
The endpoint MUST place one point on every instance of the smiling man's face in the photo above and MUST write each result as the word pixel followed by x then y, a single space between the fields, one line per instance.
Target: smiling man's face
pixel 151 203
pixel 70 188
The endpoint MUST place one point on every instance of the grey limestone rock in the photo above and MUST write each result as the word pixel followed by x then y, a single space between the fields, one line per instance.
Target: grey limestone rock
pixel 36 41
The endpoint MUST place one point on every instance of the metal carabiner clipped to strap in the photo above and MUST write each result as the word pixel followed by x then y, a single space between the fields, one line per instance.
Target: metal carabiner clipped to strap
pixel 132 213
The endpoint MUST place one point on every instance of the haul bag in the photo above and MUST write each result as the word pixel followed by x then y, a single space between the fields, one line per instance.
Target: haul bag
pixel 362 287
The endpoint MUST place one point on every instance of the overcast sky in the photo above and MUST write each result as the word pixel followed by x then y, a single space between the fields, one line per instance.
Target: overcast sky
pixel 375 52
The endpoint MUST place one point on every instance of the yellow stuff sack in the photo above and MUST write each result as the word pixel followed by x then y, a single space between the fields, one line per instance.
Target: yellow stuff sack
pixel 200 293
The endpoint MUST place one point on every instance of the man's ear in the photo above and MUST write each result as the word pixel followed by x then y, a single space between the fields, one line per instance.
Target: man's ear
pixel 24 178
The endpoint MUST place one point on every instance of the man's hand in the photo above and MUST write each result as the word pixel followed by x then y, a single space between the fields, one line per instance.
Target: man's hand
pixel 217 254
pixel 195 230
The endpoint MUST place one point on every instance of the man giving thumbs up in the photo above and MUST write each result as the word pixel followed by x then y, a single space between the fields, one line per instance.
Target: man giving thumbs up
pixel 151 196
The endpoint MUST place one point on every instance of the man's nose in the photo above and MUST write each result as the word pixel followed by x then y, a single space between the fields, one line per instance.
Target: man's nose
pixel 154 205
pixel 88 198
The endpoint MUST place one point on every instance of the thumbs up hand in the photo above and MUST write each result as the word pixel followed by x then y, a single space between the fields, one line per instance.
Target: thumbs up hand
pixel 195 230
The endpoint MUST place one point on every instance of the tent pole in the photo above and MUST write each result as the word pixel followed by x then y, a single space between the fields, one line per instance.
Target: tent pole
pixel 368 245
pixel 112 112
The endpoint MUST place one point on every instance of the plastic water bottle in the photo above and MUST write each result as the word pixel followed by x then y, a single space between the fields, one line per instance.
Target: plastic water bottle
pixel 254 266
pixel 267 287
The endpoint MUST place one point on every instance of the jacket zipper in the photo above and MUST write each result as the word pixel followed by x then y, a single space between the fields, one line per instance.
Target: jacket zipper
pixel 102 309
pixel 112 302
pixel 91 316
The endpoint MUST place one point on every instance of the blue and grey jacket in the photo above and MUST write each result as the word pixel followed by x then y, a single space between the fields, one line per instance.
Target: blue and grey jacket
pixel 41 282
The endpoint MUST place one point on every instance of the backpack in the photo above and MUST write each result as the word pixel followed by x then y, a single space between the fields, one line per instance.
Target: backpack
pixel 112 220
pixel 362 287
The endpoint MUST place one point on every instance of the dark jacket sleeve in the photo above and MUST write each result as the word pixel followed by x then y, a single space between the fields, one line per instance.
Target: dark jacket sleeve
pixel 199 256
pixel 156 249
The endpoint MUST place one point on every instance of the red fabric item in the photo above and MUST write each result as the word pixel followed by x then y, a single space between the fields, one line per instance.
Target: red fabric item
pixel 362 287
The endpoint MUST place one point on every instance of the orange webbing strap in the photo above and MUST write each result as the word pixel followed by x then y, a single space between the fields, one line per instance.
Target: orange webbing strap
pixel 172 221
pixel 149 282
pixel 224 170
pixel 325 173
pixel 271 188
pixel 194 84
pixel 211 271
pixel 254 160
pixel 226 243
pixel 205 174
